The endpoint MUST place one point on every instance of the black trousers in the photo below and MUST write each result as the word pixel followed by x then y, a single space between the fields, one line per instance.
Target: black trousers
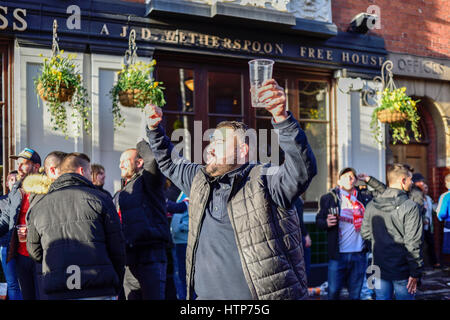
pixel 27 276
pixel 429 239
pixel 145 281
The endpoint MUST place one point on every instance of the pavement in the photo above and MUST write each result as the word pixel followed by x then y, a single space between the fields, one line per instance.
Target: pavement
pixel 435 286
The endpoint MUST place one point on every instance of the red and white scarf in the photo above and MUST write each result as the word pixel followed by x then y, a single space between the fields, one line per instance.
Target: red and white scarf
pixel 358 208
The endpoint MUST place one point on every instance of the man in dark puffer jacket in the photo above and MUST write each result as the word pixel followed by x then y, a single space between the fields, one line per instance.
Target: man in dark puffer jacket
pixel 74 231
pixel 393 224
pixel 142 207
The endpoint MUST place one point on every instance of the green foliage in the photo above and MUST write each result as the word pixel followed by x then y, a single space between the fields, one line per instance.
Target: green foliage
pixel 396 100
pixel 58 73
pixel 137 77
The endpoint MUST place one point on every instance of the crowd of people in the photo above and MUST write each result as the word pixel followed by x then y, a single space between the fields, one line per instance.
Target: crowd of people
pixel 228 229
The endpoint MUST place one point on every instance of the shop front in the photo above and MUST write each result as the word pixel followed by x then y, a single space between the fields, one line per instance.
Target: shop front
pixel 202 53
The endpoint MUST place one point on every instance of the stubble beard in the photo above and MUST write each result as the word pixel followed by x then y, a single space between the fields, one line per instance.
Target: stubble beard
pixel 216 170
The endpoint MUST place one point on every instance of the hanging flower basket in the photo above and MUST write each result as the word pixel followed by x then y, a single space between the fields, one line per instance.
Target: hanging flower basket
pixel 135 87
pixel 389 116
pixel 59 85
pixel 132 97
pixel 396 109
pixel 63 94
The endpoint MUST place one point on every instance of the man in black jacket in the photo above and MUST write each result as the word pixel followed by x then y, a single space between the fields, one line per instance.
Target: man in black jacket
pixel 74 231
pixel 13 220
pixel 393 224
pixel 340 214
pixel 141 204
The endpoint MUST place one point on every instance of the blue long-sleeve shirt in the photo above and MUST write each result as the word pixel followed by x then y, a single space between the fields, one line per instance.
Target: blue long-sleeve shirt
pixel 443 208
pixel 218 269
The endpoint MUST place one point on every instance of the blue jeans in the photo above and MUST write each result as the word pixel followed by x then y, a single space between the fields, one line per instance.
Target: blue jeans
pixel 9 270
pixel 389 288
pixel 180 259
pixel 348 271
pixel 145 281
pixel 307 257
pixel 366 293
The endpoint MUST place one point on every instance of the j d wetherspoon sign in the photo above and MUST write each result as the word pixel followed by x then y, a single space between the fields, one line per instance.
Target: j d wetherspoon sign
pixel 19 21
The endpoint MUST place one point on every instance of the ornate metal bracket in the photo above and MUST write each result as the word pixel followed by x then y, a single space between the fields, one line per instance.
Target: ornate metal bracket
pixel 369 94
pixel 131 55
pixel 386 80
pixel 55 46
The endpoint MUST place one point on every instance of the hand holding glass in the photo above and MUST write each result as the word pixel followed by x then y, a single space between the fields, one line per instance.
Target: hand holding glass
pixel 260 71
pixel 22 232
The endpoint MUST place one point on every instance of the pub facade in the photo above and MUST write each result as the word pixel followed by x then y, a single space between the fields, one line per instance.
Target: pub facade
pixel 202 49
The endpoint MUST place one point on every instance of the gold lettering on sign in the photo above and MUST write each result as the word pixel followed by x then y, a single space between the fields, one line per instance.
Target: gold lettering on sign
pixel 2 18
pixel 227 43
pixel 203 39
pixel 256 46
pixel 373 61
pixel 171 36
pixel 345 57
pixel 381 61
pixel 355 58
pixel 278 48
pixel 105 30
pixel 268 47
pixel 329 55
pixel 320 54
pixel 302 52
pixel 247 43
pixel 20 19
pixel 146 33
pixel 215 41
pixel 365 59
pixel 311 53
pixel 237 44
pixel 181 37
pixel 124 31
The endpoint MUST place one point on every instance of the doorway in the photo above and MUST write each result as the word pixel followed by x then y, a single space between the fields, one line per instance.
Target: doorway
pixel 415 155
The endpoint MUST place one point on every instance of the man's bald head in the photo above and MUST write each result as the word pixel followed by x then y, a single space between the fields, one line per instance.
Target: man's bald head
pixel 131 163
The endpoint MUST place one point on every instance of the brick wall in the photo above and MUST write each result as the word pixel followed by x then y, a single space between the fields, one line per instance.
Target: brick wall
pixel 420 27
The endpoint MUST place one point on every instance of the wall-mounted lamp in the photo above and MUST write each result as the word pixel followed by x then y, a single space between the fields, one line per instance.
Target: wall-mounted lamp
pixel 190 84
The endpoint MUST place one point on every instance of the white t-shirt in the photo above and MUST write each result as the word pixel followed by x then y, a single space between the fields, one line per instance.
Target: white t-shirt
pixel 349 239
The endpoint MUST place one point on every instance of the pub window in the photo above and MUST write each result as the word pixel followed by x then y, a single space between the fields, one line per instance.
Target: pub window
pixel 224 97
pixel 314 120
pixel 179 110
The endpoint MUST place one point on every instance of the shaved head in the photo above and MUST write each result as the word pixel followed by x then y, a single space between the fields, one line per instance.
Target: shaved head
pixel 131 163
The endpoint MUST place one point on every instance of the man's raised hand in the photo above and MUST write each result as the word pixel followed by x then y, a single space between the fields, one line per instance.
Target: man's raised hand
pixel 154 116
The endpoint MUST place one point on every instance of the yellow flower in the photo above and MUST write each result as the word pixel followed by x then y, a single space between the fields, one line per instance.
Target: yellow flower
pixel 73 66
pixel 62 51
pixel 153 63
pixel 155 84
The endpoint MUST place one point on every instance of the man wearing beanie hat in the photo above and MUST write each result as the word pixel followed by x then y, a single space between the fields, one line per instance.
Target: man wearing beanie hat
pixel 13 223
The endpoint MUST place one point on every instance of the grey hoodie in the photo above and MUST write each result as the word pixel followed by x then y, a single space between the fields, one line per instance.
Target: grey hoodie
pixel 393 224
